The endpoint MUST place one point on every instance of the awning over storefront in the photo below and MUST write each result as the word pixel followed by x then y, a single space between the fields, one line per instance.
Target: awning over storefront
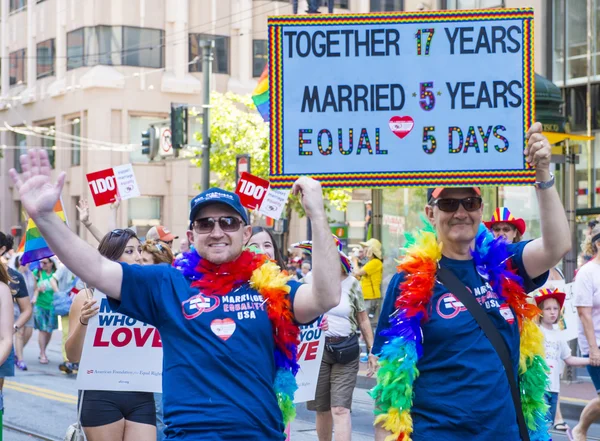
pixel 555 138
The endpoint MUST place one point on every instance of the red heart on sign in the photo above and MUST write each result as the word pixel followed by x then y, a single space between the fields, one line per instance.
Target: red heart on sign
pixel 401 125
pixel 223 328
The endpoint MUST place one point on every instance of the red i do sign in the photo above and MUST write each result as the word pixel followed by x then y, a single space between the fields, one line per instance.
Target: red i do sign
pixel 103 186
pixel 251 190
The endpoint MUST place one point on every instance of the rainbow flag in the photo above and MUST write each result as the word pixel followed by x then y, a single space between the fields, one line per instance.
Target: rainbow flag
pixel 260 96
pixel 36 247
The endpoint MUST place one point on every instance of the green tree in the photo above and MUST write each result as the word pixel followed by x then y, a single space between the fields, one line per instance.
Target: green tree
pixel 237 128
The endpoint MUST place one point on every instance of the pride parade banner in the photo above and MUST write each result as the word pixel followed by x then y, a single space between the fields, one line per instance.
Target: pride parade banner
pixel 401 99
pixel 120 353
pixel 310 354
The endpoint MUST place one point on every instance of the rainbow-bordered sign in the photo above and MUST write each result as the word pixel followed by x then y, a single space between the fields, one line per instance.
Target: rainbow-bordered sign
pixel 402 99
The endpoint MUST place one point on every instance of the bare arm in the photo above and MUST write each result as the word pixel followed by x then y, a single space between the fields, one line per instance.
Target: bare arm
pixel 544 253
pixel 82 308
pixel 39 196
pixel 114 210
pixel 324 293
pixel 26 310
pixel 365 329
pixel 577 361
pixel 6 322
pixel 84 217
pixel 585 315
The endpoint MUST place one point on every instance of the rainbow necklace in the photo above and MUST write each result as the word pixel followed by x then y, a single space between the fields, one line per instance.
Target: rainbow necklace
pixel 270 282
pixel 393 393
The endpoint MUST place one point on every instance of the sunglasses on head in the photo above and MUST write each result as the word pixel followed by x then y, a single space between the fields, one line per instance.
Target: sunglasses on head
pixel 450 205
pixel 228 224
pixel 119 232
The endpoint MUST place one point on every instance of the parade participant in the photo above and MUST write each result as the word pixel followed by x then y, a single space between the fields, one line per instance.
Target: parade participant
pixel 587 301
pixel 504 224
pixel 340 362
pixel 6 330
pixel 25 330
pixel 110 415
pixel 263 240
pixel 238 308
pixel 63 281
pixel 155 252
pixel 371 275
pixel 184 245
pixel 84 217
pixel 557 350
pixel 44 319
pixel 161 234
pixel 440 376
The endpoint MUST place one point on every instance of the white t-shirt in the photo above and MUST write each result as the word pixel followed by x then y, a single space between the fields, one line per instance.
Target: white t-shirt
pixel 342 319
pixel 587 293
pixel 556 351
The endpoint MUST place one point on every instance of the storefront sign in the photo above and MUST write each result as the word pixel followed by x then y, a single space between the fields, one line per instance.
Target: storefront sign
pixel 120 353
pixel 402 99
pixel 310 354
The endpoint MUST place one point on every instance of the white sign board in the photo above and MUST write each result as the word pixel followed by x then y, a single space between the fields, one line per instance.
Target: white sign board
pixel 120 353
pixel 310 354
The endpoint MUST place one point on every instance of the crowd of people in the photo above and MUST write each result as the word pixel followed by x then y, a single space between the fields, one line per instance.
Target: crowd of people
pixel 447 368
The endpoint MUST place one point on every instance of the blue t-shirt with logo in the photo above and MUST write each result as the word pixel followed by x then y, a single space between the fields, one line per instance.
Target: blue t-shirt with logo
pixel 218 367
pixel 462 392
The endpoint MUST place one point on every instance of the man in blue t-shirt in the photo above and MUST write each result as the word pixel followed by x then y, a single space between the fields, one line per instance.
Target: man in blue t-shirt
pixel 462 392
pixel 219 365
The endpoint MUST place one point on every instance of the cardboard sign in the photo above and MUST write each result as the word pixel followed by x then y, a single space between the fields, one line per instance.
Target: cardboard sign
pixel 255 193
pixel 408 99
pixel 106 184
pixel 120 353
pixel 310 354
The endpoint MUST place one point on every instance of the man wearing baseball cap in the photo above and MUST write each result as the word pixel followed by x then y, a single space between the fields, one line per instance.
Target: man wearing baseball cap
pixel 441 378
pixel 160 233
pixel 228 318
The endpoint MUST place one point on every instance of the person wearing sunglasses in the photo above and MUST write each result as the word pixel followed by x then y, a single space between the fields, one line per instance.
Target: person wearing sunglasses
pixel 228 319
pixel 462 391
pixel 503 223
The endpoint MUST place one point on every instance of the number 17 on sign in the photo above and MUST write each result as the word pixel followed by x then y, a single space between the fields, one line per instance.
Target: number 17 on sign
pixel 420 33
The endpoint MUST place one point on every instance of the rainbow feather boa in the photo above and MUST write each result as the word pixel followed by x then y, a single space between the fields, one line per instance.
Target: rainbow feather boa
pixel 269 281
pixel 398 360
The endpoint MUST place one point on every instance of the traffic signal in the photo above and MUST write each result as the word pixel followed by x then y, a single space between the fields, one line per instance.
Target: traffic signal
pixel 179 125
pixel 150 142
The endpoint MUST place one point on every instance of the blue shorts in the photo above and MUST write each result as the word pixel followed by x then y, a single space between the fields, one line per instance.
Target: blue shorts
pixel 8 368
pixel 594 372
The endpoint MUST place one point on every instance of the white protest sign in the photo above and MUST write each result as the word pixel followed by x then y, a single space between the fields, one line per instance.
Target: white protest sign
pixel 256 194
pixel 310 354
pixel 120 353
pixel 106 184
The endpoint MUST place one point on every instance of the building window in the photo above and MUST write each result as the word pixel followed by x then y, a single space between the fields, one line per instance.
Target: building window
pixel 143 47
pixel 259 57
pixel 45 58
pixel 474 4
pixel 576 15
pixel 144 213
pixel 21 149
pixel 16 5
pixel 387 5
pixel 342 4
pixel 115 46
pixel 75 50
pixel 48 142
pixel 220 51
pixel 76 142
pixel 18 66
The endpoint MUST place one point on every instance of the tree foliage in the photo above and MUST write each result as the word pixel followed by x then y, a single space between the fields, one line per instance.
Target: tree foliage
pixel 237 128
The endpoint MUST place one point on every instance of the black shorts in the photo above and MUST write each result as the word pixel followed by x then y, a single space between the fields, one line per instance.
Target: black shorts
pixel 102 407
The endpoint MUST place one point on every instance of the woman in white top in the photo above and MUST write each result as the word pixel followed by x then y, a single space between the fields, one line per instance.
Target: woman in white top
pixel 340 363
pixel 587 301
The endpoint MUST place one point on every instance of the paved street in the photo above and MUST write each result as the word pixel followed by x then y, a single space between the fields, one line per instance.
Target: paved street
pixel 42 401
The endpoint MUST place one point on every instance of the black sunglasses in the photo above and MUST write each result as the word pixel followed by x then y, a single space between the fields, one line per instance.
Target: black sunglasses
pixel 228 224
pixel 450 205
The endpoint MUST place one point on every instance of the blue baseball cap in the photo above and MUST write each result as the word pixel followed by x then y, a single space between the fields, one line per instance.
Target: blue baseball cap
pixel 217 196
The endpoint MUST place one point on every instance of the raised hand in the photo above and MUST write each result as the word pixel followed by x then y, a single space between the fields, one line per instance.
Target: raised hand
pixel 84 211
pixel 37 191
pixel 116 204
pixel 539 150
pixel 311 196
